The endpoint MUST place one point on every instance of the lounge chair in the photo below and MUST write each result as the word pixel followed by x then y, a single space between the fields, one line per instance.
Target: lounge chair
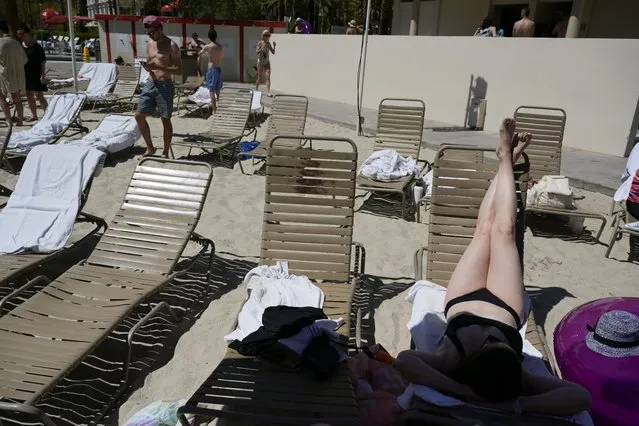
pixel 547 128
pixel 308 221
pixel 228 124
pixel 51 333
pixel 457 194
pixel 14 267
pixel 123 92
pixel 62 117
pixel 400 126
pixel 103 77
pixel 115 133
pixel 620 228
pixel 288 117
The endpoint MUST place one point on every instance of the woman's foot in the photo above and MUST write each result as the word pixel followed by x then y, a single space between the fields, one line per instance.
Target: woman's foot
pixel 506 139
pixel 522 140
pixel 149 152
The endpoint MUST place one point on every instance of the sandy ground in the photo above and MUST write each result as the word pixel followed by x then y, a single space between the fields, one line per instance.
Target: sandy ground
pixel 563 272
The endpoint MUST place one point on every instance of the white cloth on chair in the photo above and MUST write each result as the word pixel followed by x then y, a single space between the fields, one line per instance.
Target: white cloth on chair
pixel 387 165
pixel 40 213
pixel 115 133
pixel 85 74
pixel 427 327
pixel 202 96
pixel 551 191
pixel 273 286
pixel 626 178
pixel 102 80
pixel 58 116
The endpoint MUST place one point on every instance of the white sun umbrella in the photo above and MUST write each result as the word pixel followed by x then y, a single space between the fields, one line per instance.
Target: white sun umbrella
pixel 72 37
pixel 360 130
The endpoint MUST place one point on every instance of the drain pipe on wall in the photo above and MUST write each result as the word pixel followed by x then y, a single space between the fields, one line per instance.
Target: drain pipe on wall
pixel 361 72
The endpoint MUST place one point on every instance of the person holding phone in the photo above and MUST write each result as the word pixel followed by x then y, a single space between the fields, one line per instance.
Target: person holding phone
pixel 156 97
pixel 263 50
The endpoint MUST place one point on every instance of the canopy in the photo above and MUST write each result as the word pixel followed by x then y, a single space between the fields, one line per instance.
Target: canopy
pixel 63 19
pixel 48 13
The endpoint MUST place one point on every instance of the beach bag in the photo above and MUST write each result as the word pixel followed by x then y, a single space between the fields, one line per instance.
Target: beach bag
pixel 555 193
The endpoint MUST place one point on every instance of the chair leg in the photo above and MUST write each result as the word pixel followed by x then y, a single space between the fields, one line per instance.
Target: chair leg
pixel 602 227
pixel 613 239
pixel 127 360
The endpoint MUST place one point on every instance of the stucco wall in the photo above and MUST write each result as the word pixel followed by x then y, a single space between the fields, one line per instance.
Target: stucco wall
pixel 594 80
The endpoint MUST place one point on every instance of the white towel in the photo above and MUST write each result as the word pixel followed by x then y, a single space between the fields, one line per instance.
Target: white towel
pixel 115 133
pixel 40 213
pixel 58 116
pixel 427 326
pixel 628 174
pixel 202 96
pixel 102 80
pixel 273 286
pixel 256 103
pixel 86 73
pixel 387 165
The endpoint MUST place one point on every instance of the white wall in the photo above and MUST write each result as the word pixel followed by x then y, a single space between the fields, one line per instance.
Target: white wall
pixel 462 17
pixel 595 81
pixel 427 18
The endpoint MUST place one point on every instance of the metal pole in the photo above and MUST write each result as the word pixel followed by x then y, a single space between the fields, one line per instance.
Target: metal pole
pixel 72 44
pixel 360 129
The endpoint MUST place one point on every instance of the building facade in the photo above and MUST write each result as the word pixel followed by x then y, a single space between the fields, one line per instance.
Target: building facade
pixel 585 18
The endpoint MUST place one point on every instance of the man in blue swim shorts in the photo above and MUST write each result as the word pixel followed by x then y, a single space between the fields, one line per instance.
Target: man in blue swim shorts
pixel 215 52
pixel 156 98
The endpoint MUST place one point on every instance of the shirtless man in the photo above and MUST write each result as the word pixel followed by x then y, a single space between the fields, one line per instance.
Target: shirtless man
pixel 562 26
pixel 525 27
pixel 215 52
pixel 156 98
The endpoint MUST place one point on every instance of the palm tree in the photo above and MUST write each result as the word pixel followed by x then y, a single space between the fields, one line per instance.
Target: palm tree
pixel 11 13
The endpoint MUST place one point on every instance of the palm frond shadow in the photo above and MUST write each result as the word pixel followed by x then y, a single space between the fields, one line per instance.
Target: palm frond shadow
pixel 544 299
pixel 80 396
pixel 369 295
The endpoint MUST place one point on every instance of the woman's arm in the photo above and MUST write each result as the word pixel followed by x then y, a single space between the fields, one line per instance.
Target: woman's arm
pixel 493 31
pixel 552 396
pixel 271 47
pixel 423 368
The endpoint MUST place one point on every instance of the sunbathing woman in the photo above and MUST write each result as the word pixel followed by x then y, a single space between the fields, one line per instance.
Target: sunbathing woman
pixel 479 359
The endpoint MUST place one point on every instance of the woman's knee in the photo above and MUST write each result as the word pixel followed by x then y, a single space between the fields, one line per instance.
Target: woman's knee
pixel 504 228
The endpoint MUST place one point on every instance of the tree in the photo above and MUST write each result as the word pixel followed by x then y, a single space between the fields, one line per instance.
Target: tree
pixel 11 12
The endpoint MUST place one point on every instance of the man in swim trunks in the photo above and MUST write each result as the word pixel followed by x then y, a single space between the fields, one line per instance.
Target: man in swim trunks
pixel 215 52
pixel 156 98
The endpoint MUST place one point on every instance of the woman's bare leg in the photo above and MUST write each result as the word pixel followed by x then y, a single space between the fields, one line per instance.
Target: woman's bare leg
pixel 504 272
pixel 471 272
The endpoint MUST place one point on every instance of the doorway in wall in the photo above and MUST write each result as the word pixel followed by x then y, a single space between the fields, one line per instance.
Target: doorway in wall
pixel 505 16
pixel 548 15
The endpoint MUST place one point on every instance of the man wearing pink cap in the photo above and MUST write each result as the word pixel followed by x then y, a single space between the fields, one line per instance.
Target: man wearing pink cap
pixel 156 97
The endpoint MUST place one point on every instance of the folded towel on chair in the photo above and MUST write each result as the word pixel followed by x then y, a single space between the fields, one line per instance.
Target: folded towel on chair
pixel 427 326
pixel 102 80
pixel 273 286
pixel 115 133
pixel 40 213
pixel 387 164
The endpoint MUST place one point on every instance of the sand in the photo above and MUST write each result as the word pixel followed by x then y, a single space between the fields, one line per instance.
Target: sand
pixel 562 272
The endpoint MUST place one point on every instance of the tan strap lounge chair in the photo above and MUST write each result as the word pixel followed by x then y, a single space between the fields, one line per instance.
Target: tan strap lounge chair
pixel 47 336
pixel 183 90
pixel 228 125
pixel 288 117
pixel 123 91
pixel 72 128
pixel 458 190
pixel 547 127
pixel 308 221
pixel 619 224
pixel 400 126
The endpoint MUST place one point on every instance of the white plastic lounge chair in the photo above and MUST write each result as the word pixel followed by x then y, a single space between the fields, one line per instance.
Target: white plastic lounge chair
pixel 114 134
pixel 62 115
pixel 102 78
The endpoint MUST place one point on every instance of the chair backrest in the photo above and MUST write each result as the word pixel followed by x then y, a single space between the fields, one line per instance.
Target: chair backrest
pixel 160 210
pixel 308 208
pixel 458 190
pixel 547 128
pixel 5 135
pixel 233 111
pixel 400 126
pixel 288 117
pixel 128 77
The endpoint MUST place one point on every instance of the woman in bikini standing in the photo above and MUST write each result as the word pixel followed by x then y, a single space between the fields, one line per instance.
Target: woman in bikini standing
pixel 479 359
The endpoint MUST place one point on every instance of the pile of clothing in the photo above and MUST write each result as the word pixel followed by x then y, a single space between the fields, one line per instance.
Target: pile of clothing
pixel 388 165
pixel 282 322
